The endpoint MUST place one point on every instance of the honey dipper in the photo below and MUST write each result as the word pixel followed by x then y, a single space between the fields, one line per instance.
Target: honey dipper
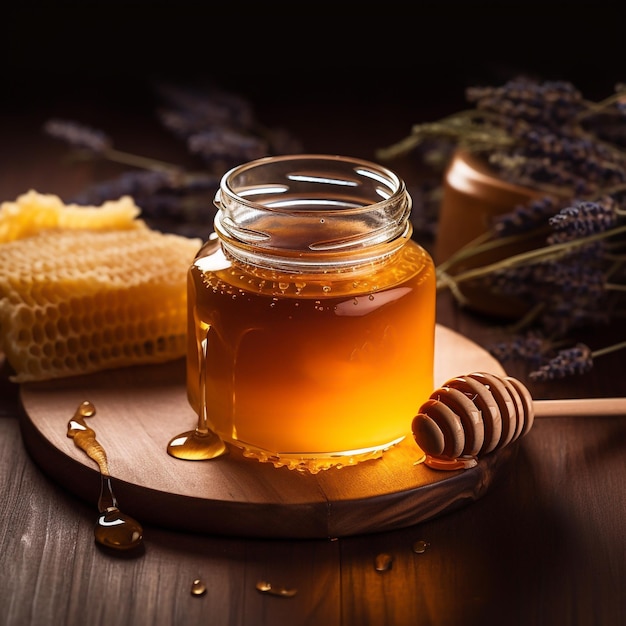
pixel 472 415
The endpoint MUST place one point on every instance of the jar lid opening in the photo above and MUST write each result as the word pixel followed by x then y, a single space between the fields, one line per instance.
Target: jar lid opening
pixel 312 202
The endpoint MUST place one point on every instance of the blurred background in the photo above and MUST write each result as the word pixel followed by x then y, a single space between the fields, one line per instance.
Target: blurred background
pixel 342 77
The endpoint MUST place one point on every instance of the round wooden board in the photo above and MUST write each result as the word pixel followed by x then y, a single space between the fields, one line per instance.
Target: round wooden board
pixel 139 409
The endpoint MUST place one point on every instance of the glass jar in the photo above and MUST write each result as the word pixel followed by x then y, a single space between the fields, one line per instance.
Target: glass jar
pixel 311 313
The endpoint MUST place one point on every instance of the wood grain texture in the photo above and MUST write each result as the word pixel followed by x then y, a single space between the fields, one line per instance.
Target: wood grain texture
pixel 53 573
pixel 139 410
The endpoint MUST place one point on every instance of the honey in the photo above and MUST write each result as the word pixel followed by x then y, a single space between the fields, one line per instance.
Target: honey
pixel 311 344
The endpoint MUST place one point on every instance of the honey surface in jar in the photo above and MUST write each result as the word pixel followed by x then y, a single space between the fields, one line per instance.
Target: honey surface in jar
pixel 312 370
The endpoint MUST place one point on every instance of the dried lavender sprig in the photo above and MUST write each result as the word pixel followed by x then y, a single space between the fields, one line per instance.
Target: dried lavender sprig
pixel 530 347
pixel 465 128
pixel 194 110
pixel 78 135
pixel 549 251
pixel 563 318
pixel 99 144
pixel 551 103
pixel 525 217
pixel 572 361
pixel 224 143
pixel 559 295
pixel 553 170
pixel 570 289
pixel 567 362
pixel 545 279
pixel 582 219
pixel 134 183
pixel 537 212
pixel 145 183
pixel 183 124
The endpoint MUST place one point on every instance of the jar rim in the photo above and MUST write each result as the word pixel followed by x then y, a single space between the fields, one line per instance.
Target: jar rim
pixel 312 203
pixel 362 167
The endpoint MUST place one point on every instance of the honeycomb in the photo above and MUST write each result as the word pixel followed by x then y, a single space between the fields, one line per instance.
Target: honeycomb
pixel 76 300
pixel 33 212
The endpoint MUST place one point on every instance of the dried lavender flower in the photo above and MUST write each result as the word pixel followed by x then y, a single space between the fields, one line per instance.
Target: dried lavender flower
pixel 78 135
pixel 132 183
pixel 568 362
pixel 227 144
pixel 525 217
pixel 549 104
pixel 190 110
pixel 530 346
pixel 582 219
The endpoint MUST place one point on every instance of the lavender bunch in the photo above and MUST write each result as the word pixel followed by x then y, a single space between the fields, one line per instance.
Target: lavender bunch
pixel 219 130
pixel 543 135
pixel 573 282
pixel 547 137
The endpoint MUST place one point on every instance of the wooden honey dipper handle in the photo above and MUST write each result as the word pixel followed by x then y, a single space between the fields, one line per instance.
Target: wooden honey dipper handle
pixel 473 415
pixel 581 407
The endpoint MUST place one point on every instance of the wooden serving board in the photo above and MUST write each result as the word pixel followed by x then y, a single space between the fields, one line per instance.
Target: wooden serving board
pixel 139 409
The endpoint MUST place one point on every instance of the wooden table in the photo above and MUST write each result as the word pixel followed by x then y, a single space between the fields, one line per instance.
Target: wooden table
pixel 546 545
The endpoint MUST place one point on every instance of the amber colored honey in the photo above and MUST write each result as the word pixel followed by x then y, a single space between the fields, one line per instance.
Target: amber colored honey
pixel 304 368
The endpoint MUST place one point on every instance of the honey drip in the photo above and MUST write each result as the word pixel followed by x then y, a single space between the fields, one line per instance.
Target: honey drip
pixel 200 444
pixel 114 529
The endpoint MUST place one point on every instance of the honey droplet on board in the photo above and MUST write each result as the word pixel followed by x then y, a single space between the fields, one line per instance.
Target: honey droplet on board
pixel 383 562
pixel 419 547
pixel 113 529
pixel 283 592
pixel 198 588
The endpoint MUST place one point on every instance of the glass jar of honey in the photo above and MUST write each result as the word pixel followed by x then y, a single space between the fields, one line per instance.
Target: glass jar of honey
pixel 311 313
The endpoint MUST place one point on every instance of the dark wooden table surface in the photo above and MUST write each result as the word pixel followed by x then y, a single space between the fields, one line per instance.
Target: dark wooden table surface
pixel 545 546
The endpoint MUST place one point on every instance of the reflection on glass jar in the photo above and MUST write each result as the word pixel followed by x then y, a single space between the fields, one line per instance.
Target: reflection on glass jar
pixel 316 310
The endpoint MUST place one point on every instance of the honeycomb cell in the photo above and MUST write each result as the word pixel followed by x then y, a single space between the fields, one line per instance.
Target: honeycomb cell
pixel 98 300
